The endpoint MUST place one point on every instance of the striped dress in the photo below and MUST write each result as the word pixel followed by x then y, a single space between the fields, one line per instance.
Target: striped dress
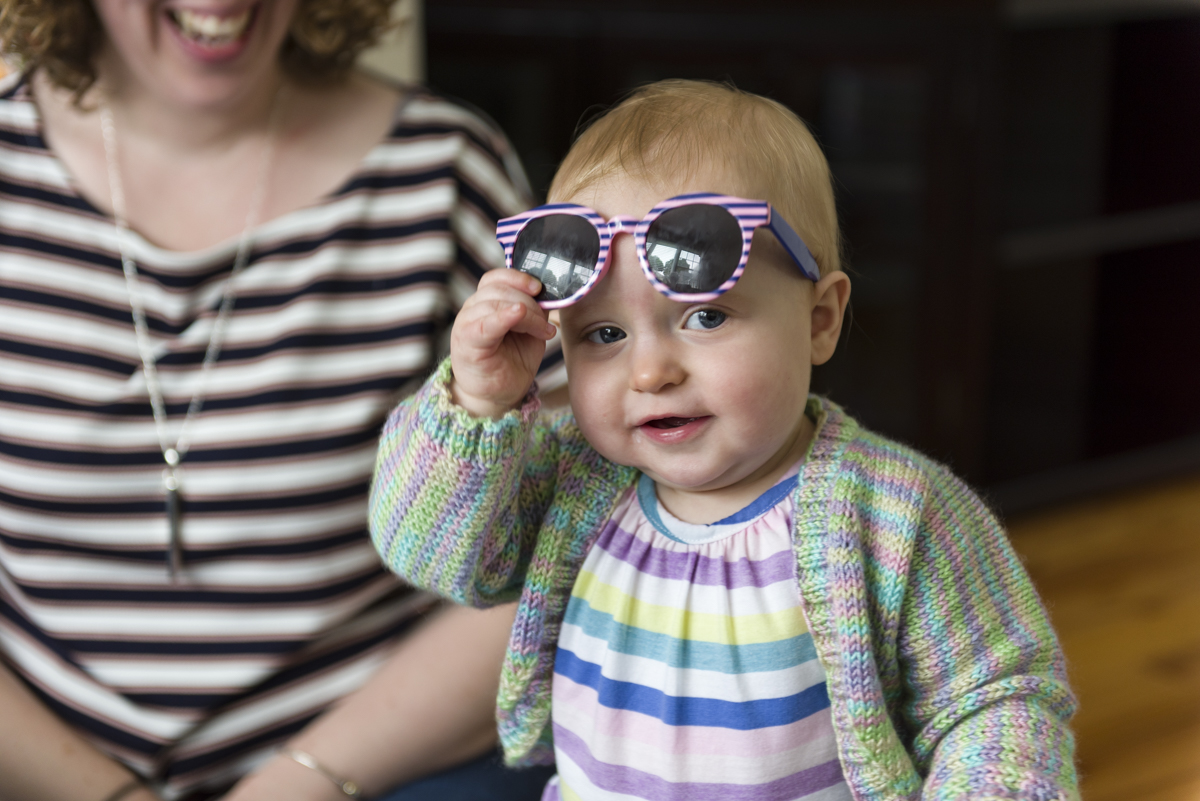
pixel 283 606
pixel 685 669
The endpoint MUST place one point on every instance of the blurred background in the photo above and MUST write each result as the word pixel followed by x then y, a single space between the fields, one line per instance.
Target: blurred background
pixel 1018 185
pixel 1019 188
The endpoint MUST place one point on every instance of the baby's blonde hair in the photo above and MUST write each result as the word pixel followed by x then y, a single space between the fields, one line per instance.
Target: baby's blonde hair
pixel 676 128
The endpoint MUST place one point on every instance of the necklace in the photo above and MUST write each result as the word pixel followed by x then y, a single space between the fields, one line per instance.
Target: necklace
pixel 173 454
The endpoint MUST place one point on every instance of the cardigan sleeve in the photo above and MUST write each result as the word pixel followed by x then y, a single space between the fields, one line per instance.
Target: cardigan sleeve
pixel 987 701
pixel 457 501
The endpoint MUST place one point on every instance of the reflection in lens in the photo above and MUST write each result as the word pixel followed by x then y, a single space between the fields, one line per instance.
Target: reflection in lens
pixel 560 250
pixel 694 248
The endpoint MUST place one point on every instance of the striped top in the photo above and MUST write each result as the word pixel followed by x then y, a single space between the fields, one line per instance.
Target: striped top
pixel 283 606
pixel 685 668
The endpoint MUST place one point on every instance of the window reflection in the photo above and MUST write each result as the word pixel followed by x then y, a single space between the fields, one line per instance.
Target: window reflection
pixel 533 264
pixel 560 278
pixel 675 267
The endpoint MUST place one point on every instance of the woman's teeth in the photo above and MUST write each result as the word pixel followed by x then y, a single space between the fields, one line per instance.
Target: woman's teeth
pixel 210 29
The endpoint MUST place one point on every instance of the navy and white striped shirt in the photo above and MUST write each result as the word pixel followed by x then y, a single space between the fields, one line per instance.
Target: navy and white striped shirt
pixel 284 606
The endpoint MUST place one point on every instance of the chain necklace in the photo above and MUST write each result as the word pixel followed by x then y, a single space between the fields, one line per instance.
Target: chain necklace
pixel 173 454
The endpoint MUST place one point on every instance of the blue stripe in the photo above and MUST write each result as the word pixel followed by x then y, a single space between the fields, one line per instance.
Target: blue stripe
pixel 648 499
pixel 763 503
pixel 690 654
pixel 684 711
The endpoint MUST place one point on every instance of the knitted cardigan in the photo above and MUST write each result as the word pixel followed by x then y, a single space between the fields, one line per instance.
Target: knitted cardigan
pixel 945 678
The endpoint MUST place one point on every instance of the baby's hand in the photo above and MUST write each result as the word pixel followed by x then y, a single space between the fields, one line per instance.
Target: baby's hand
pixel 497 343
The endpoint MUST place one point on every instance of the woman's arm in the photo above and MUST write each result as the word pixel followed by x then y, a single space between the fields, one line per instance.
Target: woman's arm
pixel 43 759
pixel 430 706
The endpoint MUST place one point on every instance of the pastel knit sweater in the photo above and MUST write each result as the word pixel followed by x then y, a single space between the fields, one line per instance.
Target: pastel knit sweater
pixel 945 678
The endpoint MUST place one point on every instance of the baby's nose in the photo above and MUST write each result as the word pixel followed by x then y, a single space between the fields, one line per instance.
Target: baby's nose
pixel 654 367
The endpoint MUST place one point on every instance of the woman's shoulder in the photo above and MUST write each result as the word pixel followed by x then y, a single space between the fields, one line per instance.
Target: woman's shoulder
pixel 427 124
pixel 11 85
pixel 425 110
pixel 17 109
pixel 25 159
pixel 372 110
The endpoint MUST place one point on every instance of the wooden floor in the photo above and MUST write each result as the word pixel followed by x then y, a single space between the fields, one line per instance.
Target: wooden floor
pixel 1121 576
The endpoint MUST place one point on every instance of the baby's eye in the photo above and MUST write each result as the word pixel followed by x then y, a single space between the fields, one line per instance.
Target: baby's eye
pixel 704 320
pixel 606 335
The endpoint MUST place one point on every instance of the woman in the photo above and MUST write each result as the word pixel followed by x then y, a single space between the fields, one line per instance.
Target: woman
pixel 224 255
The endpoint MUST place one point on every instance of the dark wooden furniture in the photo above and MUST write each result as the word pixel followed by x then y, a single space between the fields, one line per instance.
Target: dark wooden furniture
pixel 972 145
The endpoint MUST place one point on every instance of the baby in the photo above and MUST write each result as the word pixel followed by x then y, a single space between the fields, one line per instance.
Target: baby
pixel 727 588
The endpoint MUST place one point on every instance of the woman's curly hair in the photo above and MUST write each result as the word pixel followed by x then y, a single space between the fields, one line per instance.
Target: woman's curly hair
pixel 63 37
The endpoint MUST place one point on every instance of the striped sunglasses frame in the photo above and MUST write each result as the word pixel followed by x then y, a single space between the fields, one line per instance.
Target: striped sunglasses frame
pixel 749 214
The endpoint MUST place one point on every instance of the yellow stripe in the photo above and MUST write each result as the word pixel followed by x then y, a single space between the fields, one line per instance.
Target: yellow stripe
pixel 685 625
pixel 565 792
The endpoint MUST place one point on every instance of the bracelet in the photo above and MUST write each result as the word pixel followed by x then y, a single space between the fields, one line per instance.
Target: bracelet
pixel 348 788
pixel 124 790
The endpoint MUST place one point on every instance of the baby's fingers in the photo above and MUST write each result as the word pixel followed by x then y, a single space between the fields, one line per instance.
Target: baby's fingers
pixel 527 319
pixel 501 281
pixel 484 325
pixel 495 349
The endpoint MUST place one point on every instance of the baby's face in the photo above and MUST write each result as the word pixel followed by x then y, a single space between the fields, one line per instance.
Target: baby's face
pixel 703 397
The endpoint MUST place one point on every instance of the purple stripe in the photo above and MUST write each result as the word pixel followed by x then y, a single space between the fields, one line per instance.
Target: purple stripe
pixel 692 567
pixel 620 779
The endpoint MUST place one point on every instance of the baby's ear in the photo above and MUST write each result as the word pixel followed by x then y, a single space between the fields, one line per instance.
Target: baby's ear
pixel 830 296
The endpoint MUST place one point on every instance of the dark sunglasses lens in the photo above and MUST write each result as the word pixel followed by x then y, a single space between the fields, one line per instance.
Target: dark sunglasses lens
pixel 560 250
pixel 694 248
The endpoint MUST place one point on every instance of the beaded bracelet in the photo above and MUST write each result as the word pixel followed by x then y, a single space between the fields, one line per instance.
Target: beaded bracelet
pixel 348 788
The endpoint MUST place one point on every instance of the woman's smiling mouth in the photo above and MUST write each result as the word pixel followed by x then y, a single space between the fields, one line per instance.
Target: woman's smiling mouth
pixel 216 33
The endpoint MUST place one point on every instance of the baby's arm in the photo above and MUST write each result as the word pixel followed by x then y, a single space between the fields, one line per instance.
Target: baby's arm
pixel 464 474
pixel 988 697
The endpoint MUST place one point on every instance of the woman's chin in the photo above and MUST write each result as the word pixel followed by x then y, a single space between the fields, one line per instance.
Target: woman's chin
pixel 207 62
pixel 187 90
pixel 201 77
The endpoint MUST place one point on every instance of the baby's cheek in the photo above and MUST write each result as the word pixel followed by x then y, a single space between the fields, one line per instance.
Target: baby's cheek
pixel 597 420
pixel 766 393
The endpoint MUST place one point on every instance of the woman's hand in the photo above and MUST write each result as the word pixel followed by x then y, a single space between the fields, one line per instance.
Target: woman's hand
pixel 431 705
pixel 44 759
pixel 497 343
pixel 281 779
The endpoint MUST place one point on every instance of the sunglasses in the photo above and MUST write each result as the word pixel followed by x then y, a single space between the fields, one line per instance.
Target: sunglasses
pixel 692 248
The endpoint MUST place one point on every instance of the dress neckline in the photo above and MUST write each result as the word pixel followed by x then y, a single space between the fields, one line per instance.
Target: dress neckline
pixel 703 533
pixel 23 91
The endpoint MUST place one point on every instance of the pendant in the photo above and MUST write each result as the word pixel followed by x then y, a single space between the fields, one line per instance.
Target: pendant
pixel 174 509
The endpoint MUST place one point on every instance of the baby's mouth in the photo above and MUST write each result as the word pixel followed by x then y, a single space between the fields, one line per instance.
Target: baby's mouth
pixel 211 30
pixel 671 422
